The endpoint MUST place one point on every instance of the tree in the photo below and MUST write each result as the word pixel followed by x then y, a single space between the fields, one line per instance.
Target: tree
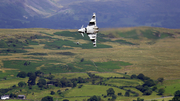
pixel 138 99
pixel 29 74
pixel 66 83
pixel 133 76
pixel 127 94
pixel 21 74
pixel 32 80
pixel 110 92
pixel 143 89
pixel 13 95
pixel 47 98
pixel 14 86
pixel 5 77
pixel 176 96
pixel 51 77
pixel 82 59
pixel 40 86
pixel 113 97
pixel 59 92
pixel 119 94
pixel 21 84
pixel 177 93
pixel 30 86
pixel 38 73
pixel 161 91
pixel 146 78
pixel 149 83
pixel 148 92
pixel 41 81
pixel 52 92
pixel 80 80
pixel 154 88
pixel 93 81
pixel 74 84
pixel 140 76
pixel 57 83
pixel 94 98
pixel 80 86
pixel 65 100
pixel 160 80
pixel 27 63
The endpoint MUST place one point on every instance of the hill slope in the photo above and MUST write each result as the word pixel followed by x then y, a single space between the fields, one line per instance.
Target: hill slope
pixel 72 14
pixel 148 50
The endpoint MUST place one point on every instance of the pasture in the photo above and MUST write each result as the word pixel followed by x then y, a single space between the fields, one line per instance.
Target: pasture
pixel 10 82
pixel 90 90
pixel 104 74
pixel 170 86
pixel 124 82
pixel 71 75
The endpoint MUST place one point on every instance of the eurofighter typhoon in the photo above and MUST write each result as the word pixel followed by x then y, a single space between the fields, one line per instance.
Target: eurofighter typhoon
pixel 91 30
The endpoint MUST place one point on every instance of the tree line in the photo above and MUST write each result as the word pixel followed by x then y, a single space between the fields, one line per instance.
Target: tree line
pixel 149 84
pixel 147 88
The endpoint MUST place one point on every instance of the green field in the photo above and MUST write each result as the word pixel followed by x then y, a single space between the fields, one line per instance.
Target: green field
pixel 11 82
pixel 170 86
pixel 112 64
pixel 109 74
pixel 134 89
pixel 71 75
pixel 124 82
pixel 90 90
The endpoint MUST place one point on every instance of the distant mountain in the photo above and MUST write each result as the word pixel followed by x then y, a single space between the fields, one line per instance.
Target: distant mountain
pixel 71 14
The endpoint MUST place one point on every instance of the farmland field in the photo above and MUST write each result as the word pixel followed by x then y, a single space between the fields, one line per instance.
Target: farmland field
pixel 90 90
pixel 170 86
pixel 122 82
pixel 109 74
pixel 71 75
pixel 11 82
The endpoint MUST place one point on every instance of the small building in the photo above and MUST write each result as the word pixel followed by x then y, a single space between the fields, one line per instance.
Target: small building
pixel 4 97
pixel 21 97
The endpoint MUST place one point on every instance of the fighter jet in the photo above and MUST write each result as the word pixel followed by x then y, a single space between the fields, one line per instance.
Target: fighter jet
pixel 91 30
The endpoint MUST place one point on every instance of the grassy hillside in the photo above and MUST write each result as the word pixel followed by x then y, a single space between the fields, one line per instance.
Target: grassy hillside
pixel 152 51
pixel 119 53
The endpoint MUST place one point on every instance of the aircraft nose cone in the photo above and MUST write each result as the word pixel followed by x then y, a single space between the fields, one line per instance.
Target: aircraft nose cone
pixel 79 30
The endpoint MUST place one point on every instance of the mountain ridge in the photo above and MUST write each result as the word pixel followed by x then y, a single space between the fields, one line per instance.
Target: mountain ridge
pixel 61 14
